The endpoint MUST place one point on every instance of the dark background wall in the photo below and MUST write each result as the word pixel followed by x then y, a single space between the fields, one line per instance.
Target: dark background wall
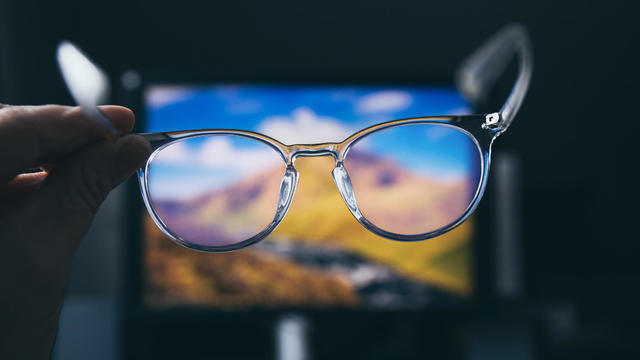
pixel 576 136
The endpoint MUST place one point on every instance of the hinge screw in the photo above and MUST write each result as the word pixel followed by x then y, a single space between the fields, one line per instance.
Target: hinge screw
pixel 492 121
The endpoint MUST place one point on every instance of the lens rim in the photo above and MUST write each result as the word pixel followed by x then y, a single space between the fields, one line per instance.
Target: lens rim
pixel 481 140
pixel 287 189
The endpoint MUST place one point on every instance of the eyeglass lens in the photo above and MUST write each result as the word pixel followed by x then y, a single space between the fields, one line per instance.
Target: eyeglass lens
pixel 418 185
pixel 216 190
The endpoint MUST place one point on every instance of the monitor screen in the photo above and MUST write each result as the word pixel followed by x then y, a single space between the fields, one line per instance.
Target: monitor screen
pixel 320 256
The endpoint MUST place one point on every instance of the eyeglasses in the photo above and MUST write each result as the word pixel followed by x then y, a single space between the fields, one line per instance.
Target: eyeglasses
pixel 222 189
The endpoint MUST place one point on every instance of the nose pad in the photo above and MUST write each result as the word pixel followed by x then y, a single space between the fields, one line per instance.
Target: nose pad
pixel 287 189
pixel 343 182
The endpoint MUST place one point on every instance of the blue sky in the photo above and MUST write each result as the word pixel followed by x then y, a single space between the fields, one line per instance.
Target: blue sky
pixel 245 107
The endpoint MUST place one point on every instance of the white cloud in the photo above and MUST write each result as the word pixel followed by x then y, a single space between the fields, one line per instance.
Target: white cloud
pixel 160 96
pixel 218 153
pixel 384 101
pixel 175 153
pixel 303 127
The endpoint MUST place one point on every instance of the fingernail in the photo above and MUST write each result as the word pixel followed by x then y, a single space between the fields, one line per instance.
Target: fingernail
pixel 121 119
pixel 132 151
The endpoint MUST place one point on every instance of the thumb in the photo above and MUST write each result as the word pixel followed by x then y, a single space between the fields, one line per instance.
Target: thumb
pixel 66 203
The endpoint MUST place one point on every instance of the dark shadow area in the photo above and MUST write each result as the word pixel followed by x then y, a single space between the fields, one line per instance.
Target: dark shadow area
pixel 573 148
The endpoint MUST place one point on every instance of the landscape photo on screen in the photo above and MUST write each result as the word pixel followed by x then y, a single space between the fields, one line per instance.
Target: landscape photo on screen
pixel 220 189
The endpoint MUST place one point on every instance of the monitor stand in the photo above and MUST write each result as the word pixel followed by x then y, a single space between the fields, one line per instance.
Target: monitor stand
pixel 291 332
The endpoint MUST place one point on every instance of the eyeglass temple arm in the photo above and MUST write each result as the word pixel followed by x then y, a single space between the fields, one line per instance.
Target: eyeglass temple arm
pixel 479 72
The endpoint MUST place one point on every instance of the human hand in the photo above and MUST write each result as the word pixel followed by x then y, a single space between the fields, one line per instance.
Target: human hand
pixel 44 215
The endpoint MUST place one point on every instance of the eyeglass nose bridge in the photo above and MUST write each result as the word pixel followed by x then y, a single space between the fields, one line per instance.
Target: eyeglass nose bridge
pixel 340 175
pixel 313 150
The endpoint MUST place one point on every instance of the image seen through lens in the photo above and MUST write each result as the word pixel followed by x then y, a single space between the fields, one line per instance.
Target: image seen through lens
pixel 216 190
pixel 418 185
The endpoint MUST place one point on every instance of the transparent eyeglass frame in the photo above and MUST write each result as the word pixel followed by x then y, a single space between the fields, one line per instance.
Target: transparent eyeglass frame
pixel 474 80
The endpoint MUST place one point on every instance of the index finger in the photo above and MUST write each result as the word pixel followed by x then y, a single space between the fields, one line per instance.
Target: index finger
pixel 33 135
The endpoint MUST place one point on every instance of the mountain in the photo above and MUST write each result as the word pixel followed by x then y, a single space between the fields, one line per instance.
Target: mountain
pixel 318 216
pixel 228 215
pixel 400 201
pixel 174 275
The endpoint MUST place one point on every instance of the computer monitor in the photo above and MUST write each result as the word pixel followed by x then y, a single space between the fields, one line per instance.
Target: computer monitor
pixel 320 256
pixel 320 262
